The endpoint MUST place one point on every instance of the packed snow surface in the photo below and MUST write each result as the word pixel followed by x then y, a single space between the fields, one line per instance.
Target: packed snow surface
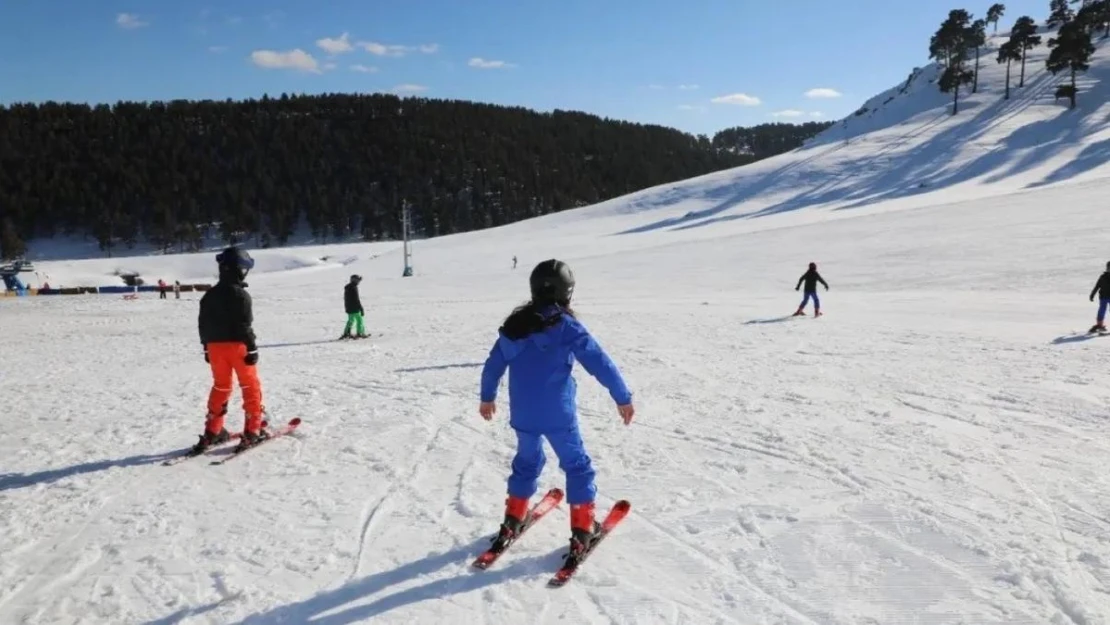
pixel 932 451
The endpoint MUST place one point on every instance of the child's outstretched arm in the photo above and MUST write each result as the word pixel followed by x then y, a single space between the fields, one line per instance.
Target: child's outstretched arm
pixel 598 364
pixel 492 371
pixel 822 281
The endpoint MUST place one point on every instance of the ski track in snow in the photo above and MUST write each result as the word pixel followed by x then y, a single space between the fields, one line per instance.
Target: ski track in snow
pixel 931 452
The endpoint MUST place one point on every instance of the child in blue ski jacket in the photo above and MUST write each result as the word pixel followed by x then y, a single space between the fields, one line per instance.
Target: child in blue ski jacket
pixel 539 343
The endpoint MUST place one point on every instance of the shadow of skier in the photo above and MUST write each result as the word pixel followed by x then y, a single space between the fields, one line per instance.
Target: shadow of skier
pixel 466 580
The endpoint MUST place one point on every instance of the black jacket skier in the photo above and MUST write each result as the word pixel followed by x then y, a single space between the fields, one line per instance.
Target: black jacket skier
pixel 811 278
pixel 1102 287
pixel 351 301
pixel 226 310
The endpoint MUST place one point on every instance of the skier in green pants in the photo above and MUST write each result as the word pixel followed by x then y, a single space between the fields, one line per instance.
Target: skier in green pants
pixel 353 306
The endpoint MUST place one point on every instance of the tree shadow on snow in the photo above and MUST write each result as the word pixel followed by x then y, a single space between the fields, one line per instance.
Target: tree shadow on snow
pixel 463 365
pixel 893 170
pixel 469 580
pixel 12 481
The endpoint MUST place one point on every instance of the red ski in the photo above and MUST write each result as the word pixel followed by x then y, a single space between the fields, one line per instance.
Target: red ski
pixel 286 429
pixel 500 546
pixel 570 566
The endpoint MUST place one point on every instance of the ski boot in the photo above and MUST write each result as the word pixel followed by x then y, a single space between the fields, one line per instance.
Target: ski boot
pixel 584 530
pixel 250 439
pixel 800 313
pixel 1098 327
pixel 214 432
pixel 254 432
pixel 516 515
pixel 817 313
pixel 208 439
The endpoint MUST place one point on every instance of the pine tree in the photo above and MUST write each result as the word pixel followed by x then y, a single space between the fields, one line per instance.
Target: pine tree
pixel 995 13
pixel 1095 15
pixel 977 38
pixel 1008 53
pixel 951 45
pixel 1071 51
pixel 1060 14
pixel 1025 36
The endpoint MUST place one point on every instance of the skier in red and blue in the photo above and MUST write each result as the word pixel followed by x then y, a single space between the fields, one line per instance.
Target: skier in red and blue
pixel 538 344
pixel 1102 290
pixel 810 278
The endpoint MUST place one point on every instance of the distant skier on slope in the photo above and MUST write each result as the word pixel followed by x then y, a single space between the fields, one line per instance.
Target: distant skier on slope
pixel 1102 289
pixel 353 305
pixel 538 343
pixel 226 330
pixel 810 278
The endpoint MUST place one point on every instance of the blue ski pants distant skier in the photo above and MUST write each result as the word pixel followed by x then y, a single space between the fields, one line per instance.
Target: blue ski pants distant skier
pixel 573 460
pixel 816 301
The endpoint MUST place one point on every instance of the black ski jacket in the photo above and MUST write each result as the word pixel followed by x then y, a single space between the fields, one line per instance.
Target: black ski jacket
pixel 811 278
pixel 351 301
pixel 226 314
pixel 1102 287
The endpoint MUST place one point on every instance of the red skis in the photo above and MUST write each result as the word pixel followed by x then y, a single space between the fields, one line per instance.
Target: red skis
pixel 542 507
pixel 570 567
pixel 286 429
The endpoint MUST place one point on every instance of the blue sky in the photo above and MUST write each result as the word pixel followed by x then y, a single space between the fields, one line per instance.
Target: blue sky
pixel 698 65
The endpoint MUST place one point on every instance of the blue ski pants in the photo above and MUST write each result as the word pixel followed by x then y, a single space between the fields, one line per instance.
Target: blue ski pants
pixel 573 460
pixel 1103 304
pixel 816 300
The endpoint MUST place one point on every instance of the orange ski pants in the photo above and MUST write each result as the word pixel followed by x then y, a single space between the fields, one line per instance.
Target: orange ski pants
pixel 227 359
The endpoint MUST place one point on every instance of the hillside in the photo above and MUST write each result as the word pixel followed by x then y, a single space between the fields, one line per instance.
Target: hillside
pixel 180 176
pixel 930 451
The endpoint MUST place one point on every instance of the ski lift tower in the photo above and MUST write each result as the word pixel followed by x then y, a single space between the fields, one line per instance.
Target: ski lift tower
pixel 405 225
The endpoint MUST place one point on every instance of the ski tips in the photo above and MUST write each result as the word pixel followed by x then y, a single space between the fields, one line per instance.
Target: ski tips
pixel 295 421
pixel 623 505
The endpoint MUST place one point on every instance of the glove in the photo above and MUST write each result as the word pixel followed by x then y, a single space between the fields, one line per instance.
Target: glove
pixel 1092 298
pixel 251 358
pixel 797 288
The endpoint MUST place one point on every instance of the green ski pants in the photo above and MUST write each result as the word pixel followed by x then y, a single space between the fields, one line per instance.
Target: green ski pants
pixel 355 319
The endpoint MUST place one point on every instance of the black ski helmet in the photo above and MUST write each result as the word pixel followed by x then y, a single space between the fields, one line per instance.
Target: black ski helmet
pixel 235 260
pixel 552 282
pixel 355 278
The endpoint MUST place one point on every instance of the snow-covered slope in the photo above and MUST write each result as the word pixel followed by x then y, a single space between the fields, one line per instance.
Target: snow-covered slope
pixel 932 451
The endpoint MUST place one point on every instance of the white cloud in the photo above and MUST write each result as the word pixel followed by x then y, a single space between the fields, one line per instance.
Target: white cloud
pixel 364 69
pixel 788 113
pixel 689 87
pixel 130 21
pixel 217 49
pixel 381 49
pixel 816 114
pixel 296 59
pixel 481 63
pixel 409 88
pixel 740 99
pixel 823 93
pixel 340 45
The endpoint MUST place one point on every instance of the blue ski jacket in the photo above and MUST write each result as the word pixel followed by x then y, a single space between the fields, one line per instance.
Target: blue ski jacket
pixel 542 393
